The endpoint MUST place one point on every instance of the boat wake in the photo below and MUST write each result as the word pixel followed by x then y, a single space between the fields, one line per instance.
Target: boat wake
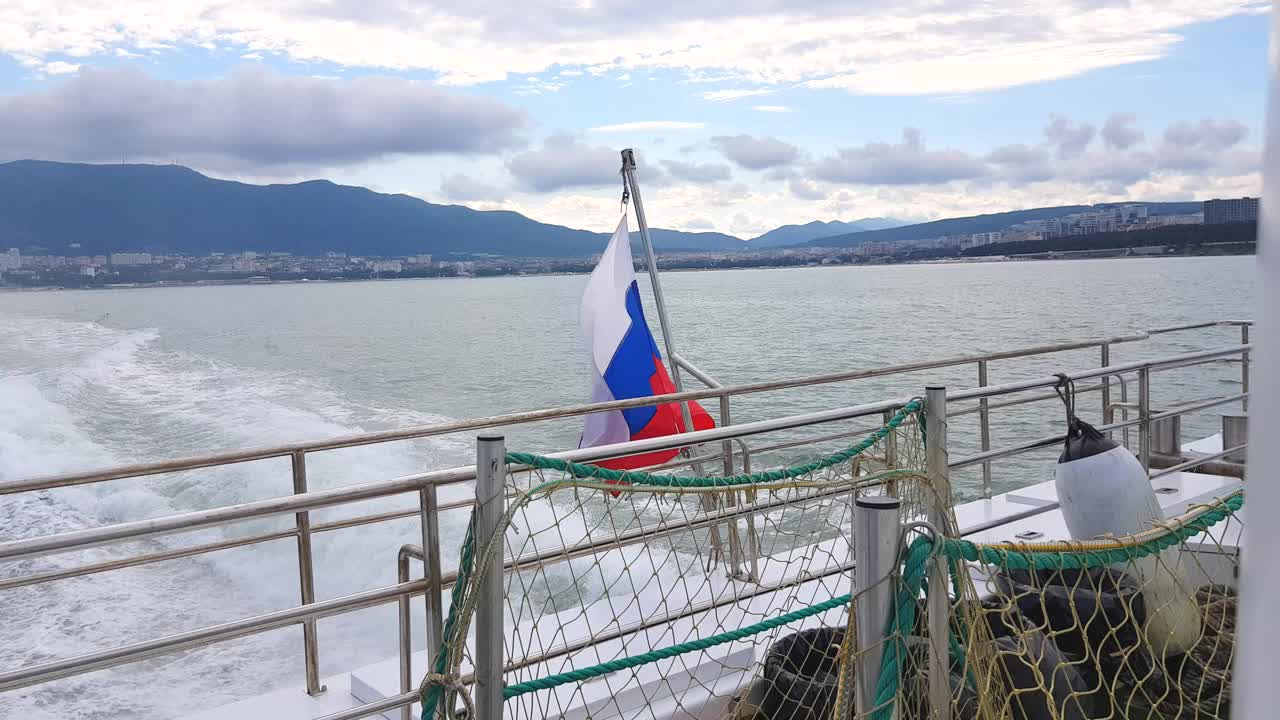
pixel 81 395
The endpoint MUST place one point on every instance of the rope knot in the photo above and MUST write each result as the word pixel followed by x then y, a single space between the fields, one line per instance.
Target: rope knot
pixel 452 686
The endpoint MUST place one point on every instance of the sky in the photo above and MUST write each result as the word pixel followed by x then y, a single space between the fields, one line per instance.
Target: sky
pixel 745 114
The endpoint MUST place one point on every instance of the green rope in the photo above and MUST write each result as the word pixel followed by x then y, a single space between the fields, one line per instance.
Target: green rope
pixel 431 697
pixel 910 585
pixel 1084 558
pixel 604 668
pixel 579 470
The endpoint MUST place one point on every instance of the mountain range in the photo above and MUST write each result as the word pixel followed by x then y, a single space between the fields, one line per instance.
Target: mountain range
pixel 56 207
pixel 800 234
pixel 985 223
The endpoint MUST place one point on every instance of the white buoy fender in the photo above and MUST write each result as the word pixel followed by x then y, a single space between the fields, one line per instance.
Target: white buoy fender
pixel 1103 489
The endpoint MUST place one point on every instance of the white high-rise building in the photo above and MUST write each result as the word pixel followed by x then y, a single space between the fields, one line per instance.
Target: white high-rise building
pixel 11 260
pixel 130 258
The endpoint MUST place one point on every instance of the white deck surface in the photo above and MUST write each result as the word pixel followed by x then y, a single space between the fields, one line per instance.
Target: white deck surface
pixel 1204 446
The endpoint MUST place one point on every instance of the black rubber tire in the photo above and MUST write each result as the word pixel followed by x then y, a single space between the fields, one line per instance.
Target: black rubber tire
pixel 802 674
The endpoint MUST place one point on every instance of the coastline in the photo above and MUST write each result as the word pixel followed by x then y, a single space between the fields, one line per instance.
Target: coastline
pixel 960 260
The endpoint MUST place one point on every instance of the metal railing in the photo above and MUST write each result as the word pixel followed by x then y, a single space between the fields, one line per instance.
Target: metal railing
pixel 426 485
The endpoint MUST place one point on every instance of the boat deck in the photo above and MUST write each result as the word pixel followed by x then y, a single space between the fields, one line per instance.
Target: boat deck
pixel 1029 512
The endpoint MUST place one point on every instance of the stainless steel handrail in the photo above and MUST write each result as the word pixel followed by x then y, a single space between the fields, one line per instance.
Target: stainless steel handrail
pixel 407 553
pixel 192 463
pixel 44 672
pixel 79 539
pixel 179 523
pixel 1055 439
pixel 1199 460
pixel 303 500
pixel 1051 380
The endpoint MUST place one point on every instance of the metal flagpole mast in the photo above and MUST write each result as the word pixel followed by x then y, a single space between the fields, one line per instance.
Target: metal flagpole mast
pixel 664 322
pixel 629 178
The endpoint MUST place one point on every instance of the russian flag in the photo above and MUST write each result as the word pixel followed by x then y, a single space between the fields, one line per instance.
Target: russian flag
pixel 625 362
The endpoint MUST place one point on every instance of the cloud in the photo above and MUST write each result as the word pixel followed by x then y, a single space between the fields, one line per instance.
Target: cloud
pixel 898 47
pixel 805 189
pixel 1022 162
pixel 1202 145
pixel 698 223
pixel 647 125
pixel 1207 148
pixel 1207 134
pixel 58 67
pixel 727 95
pixel 907 163
pixel 754 153
pixel 1118 132
pixel 1007 177
pixel 1069 138
pixel 1113 169
pixel 566 162
pixel 698 172
pixel 251 120
pixel 771 108
pixel 744 225
pixel 464 188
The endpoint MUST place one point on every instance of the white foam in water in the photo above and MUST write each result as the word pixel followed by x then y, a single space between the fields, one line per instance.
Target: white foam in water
pixel 91 396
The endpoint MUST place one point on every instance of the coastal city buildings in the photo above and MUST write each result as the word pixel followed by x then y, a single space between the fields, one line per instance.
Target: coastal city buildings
pixel 124 268
pixel 1218 212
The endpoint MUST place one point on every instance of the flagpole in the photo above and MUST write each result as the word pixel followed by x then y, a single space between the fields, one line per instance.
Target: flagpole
pixel 709 502
pixel 664 322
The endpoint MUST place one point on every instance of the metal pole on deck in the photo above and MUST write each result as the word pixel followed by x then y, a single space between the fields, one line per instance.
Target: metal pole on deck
pixel 939 609
pixel 491 466
pixel 876 521
pixel 651 262
pixel 664 321
pixel 306 577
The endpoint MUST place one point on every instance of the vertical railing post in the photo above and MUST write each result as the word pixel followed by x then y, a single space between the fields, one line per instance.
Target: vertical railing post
pixel 984 429
pixel 891 452
pixel 1144 417
pixel 1124 411
pixel 1244 367
pixel 1166 436
pixel 890 440
pixel 306 576
pixel 1235 432
pixel 1106 386
pixel 738 554
pixel 433 599
pixel 939 610
pixel 876 521
pixel 406 633
pixel 488 534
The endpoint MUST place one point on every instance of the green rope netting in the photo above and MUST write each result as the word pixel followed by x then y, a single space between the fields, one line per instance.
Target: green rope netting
pixel 911 584
pixel 579 470
pixel 433 693
pixel 909 588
